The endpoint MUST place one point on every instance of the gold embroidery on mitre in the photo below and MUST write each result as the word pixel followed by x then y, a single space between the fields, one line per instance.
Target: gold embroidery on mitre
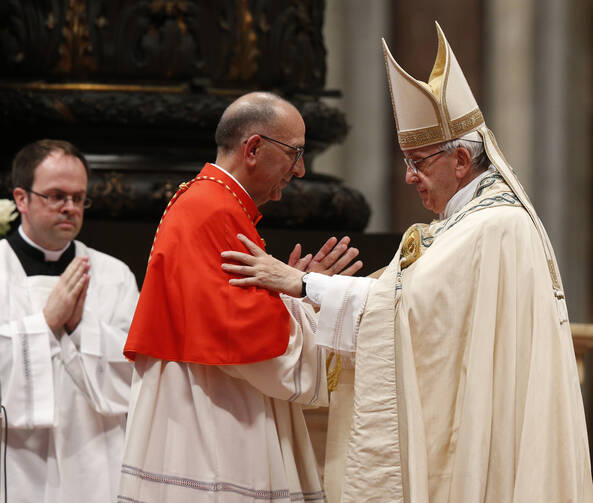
pixel 411 247
pixel 420 137
pixel 466 123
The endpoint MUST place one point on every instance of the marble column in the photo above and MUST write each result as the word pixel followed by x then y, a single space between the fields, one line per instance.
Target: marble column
pixel 355 66
pixel 538 104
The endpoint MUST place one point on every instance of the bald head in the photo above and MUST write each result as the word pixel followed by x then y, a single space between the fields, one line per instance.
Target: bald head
pixel 252 113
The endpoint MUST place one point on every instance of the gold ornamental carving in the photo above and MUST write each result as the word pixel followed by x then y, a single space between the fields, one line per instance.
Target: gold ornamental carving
pixel 172 9
pixel 166 191
pixel 76 50
pixel 113 192
pixel 245 52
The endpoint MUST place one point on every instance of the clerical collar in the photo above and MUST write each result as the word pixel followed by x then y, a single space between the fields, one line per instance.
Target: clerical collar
pixel 49 255
pixel 32 258
pixel 463 195
pixel 234 179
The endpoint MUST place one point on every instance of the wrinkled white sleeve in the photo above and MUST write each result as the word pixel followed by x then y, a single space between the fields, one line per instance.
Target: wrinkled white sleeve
pixel 33 361
pixel 26 373
pixel 342 300
pixel 299 374
pixel 93 353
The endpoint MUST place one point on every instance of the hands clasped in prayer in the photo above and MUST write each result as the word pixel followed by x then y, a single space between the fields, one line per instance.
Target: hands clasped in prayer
pixel 65 303
pixel 263 270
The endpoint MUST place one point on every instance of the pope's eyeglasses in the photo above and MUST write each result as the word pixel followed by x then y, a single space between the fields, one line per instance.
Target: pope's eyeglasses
pixel 414 163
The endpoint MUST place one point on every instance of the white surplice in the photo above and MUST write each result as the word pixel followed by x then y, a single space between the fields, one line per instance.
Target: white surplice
pixel 66 397
pixel 232 434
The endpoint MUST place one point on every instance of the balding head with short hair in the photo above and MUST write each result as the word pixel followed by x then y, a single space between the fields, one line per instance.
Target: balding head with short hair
pixel 261 139
pixel 250 114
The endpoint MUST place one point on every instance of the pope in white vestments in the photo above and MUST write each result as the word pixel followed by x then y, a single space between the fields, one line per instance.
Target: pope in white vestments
pixel 465 386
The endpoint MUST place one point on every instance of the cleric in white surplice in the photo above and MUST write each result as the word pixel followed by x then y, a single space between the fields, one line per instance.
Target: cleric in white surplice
pixel 64 315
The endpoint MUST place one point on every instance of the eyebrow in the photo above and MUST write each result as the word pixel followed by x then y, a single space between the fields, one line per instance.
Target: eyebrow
pixel 55 190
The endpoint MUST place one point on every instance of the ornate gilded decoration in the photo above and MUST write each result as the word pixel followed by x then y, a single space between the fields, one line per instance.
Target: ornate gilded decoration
pixel 411 247
pixel 466 123
pixel 162 79
pixel 166 191
pixel 101 22
pixel 113 190
pixel 170 7
pixel 245 52
pixel 51 21
pixel 76 50
pixel 227 44
pixel 94 86
pixel 413 139
pixel 176 9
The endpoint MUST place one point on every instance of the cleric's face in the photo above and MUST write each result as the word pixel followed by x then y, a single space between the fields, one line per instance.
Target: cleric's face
pixel 435 178
pixel 50 224
pixel 277 164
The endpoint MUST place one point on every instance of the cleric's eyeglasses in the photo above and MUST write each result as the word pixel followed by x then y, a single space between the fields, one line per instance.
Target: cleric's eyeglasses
pixel 414 163
pixel 57 200
pixel 298 150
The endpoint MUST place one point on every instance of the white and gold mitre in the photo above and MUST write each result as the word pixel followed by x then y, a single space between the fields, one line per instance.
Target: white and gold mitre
pixel 445 109
pixel 442 110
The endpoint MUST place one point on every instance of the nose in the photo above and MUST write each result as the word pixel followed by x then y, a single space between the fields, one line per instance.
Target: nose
pixel 411 177
pixel 299 168
pixel 68 204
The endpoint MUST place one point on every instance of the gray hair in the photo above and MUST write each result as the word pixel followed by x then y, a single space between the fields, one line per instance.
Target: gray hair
pixel 480 161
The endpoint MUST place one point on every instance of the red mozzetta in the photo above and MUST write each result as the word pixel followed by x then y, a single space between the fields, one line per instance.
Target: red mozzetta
pixel 187 311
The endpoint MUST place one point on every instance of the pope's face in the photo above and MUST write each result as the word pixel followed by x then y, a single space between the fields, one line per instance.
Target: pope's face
pixel 53 227
pixel 435 181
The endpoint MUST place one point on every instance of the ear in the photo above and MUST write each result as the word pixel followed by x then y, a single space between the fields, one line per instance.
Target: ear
pixel 464 163
pixel 252 145
pixel 21 199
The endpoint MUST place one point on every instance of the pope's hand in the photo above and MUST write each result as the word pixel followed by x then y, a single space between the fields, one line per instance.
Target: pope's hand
pixel 65 303
pixel 332 258
pixel 263 270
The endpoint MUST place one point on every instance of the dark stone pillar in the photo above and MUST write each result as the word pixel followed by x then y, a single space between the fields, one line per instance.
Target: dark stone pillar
pixel 140 85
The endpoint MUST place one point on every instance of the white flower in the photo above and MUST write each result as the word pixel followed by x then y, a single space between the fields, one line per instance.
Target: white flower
pixel 7 214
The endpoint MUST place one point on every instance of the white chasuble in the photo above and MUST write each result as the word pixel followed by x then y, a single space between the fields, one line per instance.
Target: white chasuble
pixel 66 396
pixel 466 387
pixel 232 434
